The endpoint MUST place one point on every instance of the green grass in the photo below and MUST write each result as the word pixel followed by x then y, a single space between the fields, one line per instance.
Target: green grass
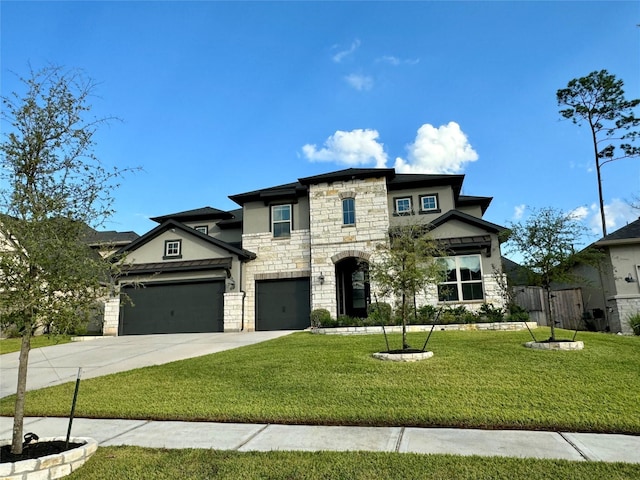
pixel 474 380
pixel 135 463
pixel 9 345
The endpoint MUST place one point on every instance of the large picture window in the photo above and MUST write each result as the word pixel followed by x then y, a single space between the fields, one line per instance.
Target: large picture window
pixel 281 221
pixel 349 211
pixel 463 280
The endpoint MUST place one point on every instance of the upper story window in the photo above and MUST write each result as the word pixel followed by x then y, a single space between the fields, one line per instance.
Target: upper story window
pixel 403 206
pixel 429 203
pixel 463 279
pixel 202 229
pixel 172 249
pixel 281 221
pixel 349 211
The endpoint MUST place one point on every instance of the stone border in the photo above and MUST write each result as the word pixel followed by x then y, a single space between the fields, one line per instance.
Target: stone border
pixel 503 326
pixel 52 466
pixel 555 345
pixel 403 357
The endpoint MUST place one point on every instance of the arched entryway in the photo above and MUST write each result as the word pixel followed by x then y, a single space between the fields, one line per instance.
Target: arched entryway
pixel 354 293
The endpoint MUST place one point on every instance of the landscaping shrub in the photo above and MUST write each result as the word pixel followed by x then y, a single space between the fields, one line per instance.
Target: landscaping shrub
pixel 634 323
pixel 321 317
pixel 517 314
pixel 491 313
pixel 379 313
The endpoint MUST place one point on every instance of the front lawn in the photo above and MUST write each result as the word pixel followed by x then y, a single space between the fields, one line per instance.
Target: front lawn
pixel 135 463
pixel 474 380
pixel 9 345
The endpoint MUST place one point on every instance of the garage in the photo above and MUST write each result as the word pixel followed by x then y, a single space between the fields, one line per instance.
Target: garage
pixel 184 307
pixel 283 304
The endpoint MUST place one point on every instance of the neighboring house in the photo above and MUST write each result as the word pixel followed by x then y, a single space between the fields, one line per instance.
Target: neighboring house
pixel 297 247
pixel 612 293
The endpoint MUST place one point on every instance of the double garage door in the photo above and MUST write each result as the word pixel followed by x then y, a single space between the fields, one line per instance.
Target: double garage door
pixel 173 308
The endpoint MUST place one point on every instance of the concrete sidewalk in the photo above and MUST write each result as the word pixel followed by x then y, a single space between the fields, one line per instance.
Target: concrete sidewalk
pixel 267 437
pixel 105 355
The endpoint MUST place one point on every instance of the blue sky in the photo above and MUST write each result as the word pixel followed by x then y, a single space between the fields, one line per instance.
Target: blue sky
pixel 221 98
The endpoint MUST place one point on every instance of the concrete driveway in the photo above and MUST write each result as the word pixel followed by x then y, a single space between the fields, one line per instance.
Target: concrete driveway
pixel 104 355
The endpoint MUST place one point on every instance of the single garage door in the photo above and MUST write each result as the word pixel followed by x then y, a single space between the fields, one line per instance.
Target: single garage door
pixel 283 304
pixel 173 308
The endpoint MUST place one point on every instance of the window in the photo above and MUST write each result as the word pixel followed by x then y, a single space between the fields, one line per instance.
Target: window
pixel 428 203
pixel 463 279
pixel 202 229
pixel 281 221
pixel 349 211
pixel 172 249
pixel 403 206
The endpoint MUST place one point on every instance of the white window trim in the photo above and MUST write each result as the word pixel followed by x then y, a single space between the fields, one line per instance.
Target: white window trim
pixel 458 283
pixel 274 222
pixel 354 212
pixel 403 212
pixel 167 247
pixel 435 200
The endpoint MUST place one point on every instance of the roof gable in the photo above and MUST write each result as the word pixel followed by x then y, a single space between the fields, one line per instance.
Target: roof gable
pixel 169 224
pixel 468 219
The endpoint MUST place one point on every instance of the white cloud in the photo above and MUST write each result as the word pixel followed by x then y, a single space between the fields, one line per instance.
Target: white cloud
pixel 359 82
pixel 518 211
pixel 357 147
pixel 579 213
pixel 617 214
pixel 442 150
pixel 338 57
pixel 395 61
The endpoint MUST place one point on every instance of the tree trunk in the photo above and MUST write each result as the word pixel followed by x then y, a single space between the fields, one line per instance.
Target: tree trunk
pixel 552 321
pixel 18 416
pixel 405 345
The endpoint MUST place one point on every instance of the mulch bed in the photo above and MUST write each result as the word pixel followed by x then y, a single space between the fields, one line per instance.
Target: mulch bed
pixel 35 450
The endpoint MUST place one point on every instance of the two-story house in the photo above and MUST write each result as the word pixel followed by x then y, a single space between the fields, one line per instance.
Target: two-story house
pixel 296 247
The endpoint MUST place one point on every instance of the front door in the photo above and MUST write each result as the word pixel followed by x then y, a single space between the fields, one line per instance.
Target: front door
pixel 353 287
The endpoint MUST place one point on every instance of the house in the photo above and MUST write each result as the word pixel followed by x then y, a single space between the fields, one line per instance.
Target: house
pixel 296 247
pixel 612 293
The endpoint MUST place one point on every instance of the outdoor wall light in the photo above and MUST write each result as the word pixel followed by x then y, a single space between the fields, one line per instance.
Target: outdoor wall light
pixel 321 279
pixel 232 284
pixel 629 279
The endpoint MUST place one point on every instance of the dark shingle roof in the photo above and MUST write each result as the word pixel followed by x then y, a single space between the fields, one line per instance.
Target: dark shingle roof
pixel 204 213
pixel 629 232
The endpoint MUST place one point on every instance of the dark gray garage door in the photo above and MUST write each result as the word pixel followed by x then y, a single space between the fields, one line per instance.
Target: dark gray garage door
pixel 173 308
pixel 282 304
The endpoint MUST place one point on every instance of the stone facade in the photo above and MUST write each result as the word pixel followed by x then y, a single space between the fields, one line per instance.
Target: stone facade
pixel 233 311
pixel 331 241
pixel 622 307
pixel 277 258
pixel 111 316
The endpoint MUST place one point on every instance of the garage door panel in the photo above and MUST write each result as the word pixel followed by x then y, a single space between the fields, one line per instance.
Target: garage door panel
pixel 283 304
pixel 173 308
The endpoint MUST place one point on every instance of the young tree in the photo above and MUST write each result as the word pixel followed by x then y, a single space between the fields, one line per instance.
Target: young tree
pixel 406 266
pixel 598 99
pixel 52 188
pixel 546 242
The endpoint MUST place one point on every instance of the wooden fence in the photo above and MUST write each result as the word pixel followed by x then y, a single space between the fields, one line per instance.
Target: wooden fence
pixel 567 306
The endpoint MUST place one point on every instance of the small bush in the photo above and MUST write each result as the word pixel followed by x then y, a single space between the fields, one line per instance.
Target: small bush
pixel 517 314
pixel 379 313
pixel 426 314
pixel 491 313
pixel 634 323
pixel 320 317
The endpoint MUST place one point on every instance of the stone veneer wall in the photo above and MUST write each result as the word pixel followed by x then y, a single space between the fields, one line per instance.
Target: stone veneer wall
pixel 111 316
pixel 275 258
pixel 623 306
pixel 332 241
pixel 233 305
